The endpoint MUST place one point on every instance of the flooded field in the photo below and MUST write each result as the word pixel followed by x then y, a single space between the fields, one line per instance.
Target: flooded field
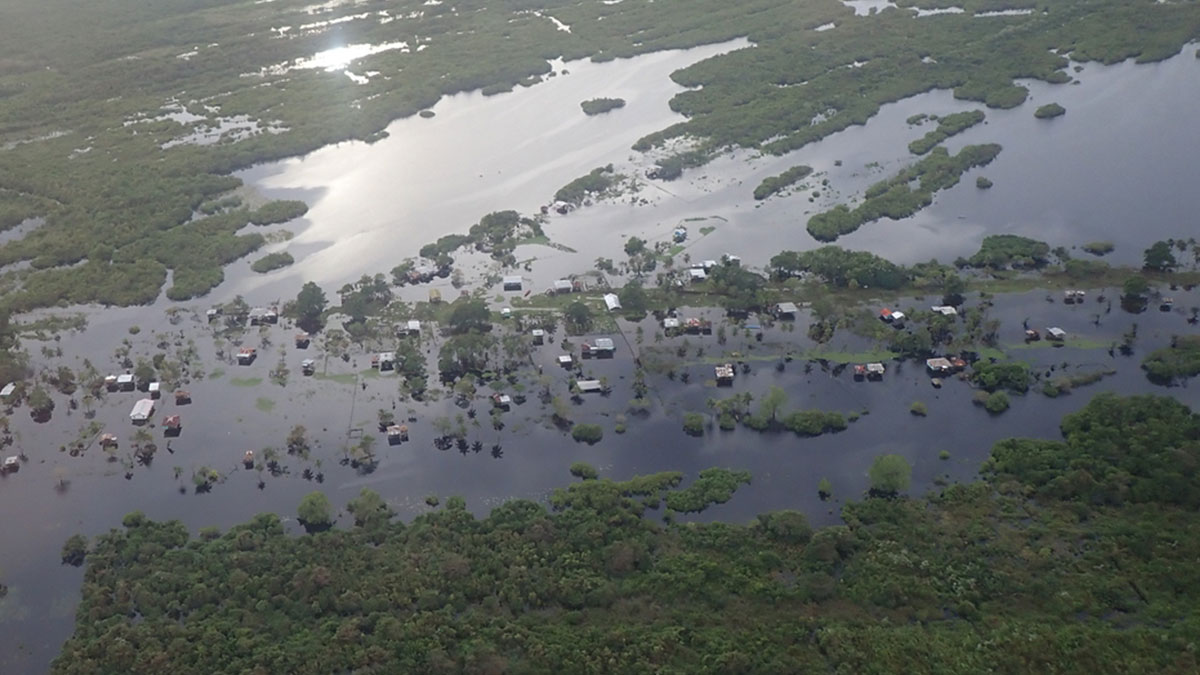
pixel 237 408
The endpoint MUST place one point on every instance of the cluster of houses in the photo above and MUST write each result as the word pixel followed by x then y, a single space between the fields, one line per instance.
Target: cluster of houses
pixel 674 325
pixel 869 371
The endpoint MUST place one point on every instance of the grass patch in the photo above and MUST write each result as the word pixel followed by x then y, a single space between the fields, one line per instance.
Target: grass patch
pixel 264 404
pixel 243 381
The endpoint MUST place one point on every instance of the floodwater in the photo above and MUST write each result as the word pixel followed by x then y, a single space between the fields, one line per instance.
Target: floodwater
pixel 1104 171
pixel 240 408
pixel 1107 170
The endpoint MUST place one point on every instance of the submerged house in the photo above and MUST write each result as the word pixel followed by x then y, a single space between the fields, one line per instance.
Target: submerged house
pixel 589 386
pixel 786 310
pixel 246 356
pixel 539 336
pixel 875 371
pixel 302 340
pixel 125 382
pixel 944 310
pixel 308 366
pixel 599 348
pixel 513 283
pixel 1055 333
pixel 384 361
pixel 142 411
pixel 939 366
pixel 724 374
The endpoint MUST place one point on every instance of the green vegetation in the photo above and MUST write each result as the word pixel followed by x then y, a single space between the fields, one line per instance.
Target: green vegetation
pixel 948 126
pixel 587 433
pixel 1000 251
pixel 814 422
pixel 272 261
pixel 1049 111
pixel 996 402
pixel 1073 555
pixel 315 512
pixel 1064 384
pixel 890 475
pixel 983 182
pixel 918 409
pixel 1159 257
pixel 595 184
pixel 840 267
pixel 896 198
pixel 1099 248
pixel 1178 361
pixel 693 424
pixel 584 470
pixel 713 486
pixel 773 184
pixel 597 106
pixel 1006 375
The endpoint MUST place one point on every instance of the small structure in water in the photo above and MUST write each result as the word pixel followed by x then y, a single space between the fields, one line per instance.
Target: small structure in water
pixel 611 301
pixel 600 348
pixel 501 401
pixel 435 296
pixel 1032 335
pixel 513 283
pixel 875 371
pixel 246 356
pixel 786 310
pixel 944 310
pixel 7 392
pixel 302 340
pixel 1166 304
pixel 142 411
pixel 1056 334
pixel 154 389
pixel 1071 297
pixel 12 464
pixel 248 459
pixel 539 336
pixel 565 360
pixel 724 374
pixel 172 425
pixel 680 234
pixel 397 433
pixel 108 440
pixel 939 366
pixel 308 367
pixel 860 371
pixel 589 386
pixel 182 397
pixel 384 361
pixel 125 382
pixel 562 286
pixel 261 316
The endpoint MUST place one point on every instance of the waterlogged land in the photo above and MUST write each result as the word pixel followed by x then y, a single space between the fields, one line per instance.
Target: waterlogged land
pixel 112 198
pixel 264 72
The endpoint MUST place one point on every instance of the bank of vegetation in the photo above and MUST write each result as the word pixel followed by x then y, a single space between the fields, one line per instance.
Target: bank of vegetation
pixel 896 197
pixel 948 126
pixel 1049 111
pixel 1072 555
pixel 774 184
pixel 272 262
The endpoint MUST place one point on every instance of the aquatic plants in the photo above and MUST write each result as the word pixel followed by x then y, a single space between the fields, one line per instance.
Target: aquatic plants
pixel 1049 111
pixel 1177 361
pixel 272 262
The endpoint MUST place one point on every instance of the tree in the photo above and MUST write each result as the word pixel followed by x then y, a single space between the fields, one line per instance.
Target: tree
pixel 1159 257
pixel 772 402
pixel 40 402
pixel 470 315
pixel 584 470
pixel 634 246
pixel 315 511
pixel 633 298
pixel 579 316
pixel 890 474
pixel 369 509
pixel 587 433
pixel 310 306
pixel 693 424
pixel 74 550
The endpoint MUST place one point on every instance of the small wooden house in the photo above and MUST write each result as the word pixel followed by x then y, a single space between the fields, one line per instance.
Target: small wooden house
pixel 302 340
pixel 142 411
pixel 172 425
pixel 308 367
pixel 565 360
pixel 786 310
pixel 513 283
pixel 860 371
pixel 1056 334
pixel 501 401
pixel 12 464
pixel 875 371
pixel 539 336
pixel 246 356
pixel 108 440
pixel 248 459
pixel 182 397
pixel 589 386
pixel 397 433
